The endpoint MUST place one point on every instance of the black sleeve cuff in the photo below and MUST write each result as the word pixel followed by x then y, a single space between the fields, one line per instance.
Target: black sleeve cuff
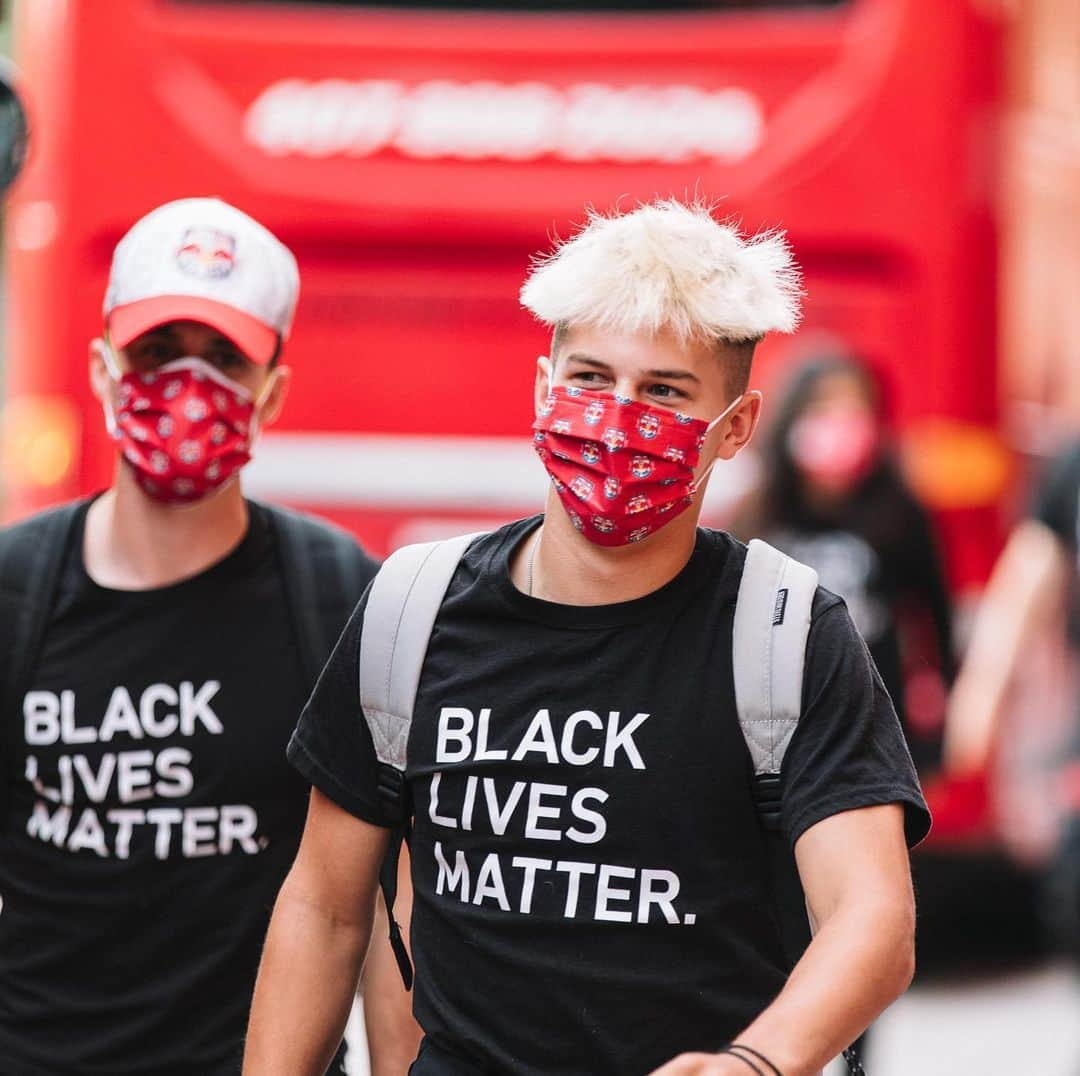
pixel 321 778
pixel 917 819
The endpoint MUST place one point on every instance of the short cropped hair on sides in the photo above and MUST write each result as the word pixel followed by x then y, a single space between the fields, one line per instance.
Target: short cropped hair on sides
pixel 670 267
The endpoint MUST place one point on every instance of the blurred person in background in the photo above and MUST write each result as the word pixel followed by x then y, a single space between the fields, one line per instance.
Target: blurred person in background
pixel 157 642
pixel 832 496
pixel 1034 582
pixel 530 957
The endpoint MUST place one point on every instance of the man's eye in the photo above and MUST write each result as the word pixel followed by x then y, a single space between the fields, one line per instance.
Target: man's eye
pixel 153 353
pixel 666 392
pixel 589 377
pixel 225 360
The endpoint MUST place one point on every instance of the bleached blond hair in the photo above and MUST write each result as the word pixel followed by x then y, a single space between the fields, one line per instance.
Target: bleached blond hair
pixel 668 266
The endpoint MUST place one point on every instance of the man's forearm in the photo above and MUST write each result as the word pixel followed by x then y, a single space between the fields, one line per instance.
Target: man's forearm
pixel 303 995
pixel 861 960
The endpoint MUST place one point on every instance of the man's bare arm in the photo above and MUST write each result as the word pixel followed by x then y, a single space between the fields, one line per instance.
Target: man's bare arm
pixel 315 947
pixel 1027 586
pixel 855 872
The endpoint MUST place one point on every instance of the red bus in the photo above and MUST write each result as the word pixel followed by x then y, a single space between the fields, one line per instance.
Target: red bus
pixel 415 155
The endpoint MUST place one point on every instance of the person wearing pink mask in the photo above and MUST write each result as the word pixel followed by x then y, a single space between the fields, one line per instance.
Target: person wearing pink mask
pixel 157 642
pixel 832 496
pixel 592 889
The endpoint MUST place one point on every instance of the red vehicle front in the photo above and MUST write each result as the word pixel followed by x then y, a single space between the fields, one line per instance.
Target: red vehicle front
pixel 415 158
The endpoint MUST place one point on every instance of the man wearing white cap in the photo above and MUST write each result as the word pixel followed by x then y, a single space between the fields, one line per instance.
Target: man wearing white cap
pixel 607 726
pixel 157 642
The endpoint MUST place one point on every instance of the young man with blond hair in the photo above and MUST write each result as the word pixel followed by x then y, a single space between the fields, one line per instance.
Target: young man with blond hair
pixel 593 891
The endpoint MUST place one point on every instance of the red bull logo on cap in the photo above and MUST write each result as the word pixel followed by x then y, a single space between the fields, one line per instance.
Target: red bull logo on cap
pixel 207 253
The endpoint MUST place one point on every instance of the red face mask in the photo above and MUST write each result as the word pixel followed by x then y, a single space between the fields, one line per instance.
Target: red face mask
pixel 621 469
pixel 185 429
pixel 836 449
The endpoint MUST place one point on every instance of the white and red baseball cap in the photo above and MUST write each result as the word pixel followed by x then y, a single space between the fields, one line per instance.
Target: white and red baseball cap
pixel 200 259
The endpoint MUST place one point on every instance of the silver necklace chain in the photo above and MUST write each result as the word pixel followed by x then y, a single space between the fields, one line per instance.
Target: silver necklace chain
pixel 532 560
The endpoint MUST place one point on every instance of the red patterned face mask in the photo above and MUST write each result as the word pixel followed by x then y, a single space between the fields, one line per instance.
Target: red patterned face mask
pixel 621 469
pixel 185 429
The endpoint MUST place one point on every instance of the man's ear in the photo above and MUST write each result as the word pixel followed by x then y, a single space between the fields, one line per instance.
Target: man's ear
pixel 545 371
pixel 100 380
pixel 739 426
pixel 275 391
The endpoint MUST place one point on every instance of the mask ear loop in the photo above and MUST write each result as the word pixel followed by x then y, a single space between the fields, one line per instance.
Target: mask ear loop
pixel 708 429
pixel 260 398
pixel 112 367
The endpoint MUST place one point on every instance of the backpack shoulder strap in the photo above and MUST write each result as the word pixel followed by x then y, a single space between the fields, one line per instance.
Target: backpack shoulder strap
pixel 400 613
pixel 772 622
pixel 325 572
pixel 31 562
pixel 31 556
pixel 401 609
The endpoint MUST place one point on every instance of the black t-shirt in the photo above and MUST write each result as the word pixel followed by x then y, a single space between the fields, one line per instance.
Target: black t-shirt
pixel 881 556
pixel 152 817
pixel 591 882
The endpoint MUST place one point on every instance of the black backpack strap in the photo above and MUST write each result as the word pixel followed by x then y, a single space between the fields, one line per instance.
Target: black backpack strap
pixel 31 561
pixel 325 573
pixel 393 790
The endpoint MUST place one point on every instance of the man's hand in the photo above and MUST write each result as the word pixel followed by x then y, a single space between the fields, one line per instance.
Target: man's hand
pixel 704 1065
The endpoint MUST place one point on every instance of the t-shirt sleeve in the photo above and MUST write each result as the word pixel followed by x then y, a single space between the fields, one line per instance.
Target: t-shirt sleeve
pixel 332 744
pixel 848 750
pixel 1055 501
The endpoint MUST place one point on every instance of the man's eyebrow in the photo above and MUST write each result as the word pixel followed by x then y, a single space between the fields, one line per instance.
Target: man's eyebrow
pixel 161 330
pixel 587 360
pixel 673 375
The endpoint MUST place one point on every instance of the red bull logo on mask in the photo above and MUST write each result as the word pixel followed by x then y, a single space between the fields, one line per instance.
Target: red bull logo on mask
pixel 611 488
pixel 676 455
pixel 207 253
pixel 614 438
pixel 594 412
pixel 581 487
pixel 641 532
pixel 603 524
pixel 648 426
pixel 641 467
pixel 590 452
pixel 560 425
pixel 637 504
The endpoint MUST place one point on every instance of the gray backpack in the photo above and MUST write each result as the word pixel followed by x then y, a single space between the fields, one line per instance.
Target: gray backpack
pixel 772 622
